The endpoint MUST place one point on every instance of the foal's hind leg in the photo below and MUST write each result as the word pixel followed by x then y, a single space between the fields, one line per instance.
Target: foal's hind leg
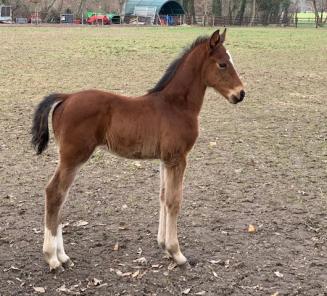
pixel 56 191
pixel 71 159
pixel 162 215
pixel 173 198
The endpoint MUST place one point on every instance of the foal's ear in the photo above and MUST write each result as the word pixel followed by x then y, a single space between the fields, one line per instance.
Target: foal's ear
pixel 214 39
pixel 222 36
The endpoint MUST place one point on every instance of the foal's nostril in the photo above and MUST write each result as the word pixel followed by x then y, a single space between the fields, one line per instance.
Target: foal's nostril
pixel 242 94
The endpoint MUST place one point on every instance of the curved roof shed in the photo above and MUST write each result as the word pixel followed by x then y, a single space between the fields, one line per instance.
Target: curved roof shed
pixel 162 7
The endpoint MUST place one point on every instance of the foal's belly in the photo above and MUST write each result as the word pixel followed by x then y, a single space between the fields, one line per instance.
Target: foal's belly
pixel 133 149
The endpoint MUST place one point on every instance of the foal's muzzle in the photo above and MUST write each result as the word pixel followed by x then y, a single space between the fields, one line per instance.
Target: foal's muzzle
pixel 234 99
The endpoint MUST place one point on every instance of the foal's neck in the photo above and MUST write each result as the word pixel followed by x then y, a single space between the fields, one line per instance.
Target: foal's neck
pixel 187 88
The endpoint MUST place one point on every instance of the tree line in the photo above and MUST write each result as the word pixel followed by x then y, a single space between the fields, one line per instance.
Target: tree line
pixel 237 11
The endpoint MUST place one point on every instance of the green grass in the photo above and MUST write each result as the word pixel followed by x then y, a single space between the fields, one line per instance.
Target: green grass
pixel 306 15
pixel 307 19
pixel 36 61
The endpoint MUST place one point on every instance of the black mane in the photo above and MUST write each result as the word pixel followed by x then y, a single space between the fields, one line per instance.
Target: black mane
pixel 172 69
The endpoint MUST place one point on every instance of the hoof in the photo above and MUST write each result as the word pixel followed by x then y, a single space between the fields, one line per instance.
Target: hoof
pixel 179 258
pixel 63 258
pixel 68 264
pixel 57 270
pixel 55 265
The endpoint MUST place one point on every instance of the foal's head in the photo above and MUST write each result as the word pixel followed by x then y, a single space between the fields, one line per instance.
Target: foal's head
pixel 219 70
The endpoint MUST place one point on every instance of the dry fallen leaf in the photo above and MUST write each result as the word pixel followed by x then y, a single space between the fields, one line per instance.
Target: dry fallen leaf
pixel 11 268
pixel 186 291
pixel 172 265
pixel 116 247
pixel 65 224
pixel 139 251
pixel 39 289
pixel 102 285
pixel 278 274
pixel 214 261
pixel 200 293
pixel 275 294
pixel 96 282
pixel 62 288
pixel 137 164
pixel 126 274
pixel 215 274
pixel 80 223
pixel 141 260
pixel 142 274
pixel 212 144
pixel 251 229
pixel 136 273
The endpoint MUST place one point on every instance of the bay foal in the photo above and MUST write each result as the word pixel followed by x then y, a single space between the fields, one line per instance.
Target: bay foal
pixel 162 124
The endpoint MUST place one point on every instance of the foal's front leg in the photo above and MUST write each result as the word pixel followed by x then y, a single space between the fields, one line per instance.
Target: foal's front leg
pixel 162 215
pixel 173 197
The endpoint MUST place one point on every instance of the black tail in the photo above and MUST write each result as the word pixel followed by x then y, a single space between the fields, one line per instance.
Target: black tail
pixel 40 129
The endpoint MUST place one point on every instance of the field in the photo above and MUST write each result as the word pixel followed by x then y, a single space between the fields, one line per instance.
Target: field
pixel 262 162
pixel 306 19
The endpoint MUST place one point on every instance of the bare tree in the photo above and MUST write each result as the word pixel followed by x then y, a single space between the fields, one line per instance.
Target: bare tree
pixel 47 9
pixel 320 6
pixel 253 12
pixel 81 7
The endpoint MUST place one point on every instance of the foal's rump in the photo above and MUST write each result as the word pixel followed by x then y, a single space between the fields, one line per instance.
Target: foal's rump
pixel 79 120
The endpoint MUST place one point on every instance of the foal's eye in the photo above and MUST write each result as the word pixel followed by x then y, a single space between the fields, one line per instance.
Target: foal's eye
pixel 222 66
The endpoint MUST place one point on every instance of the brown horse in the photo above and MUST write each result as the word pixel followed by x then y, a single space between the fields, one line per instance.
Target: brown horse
pixel 162 124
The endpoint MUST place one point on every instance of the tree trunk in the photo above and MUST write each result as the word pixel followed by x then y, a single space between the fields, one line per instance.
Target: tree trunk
pixel 47 10
pixel 189 5
pixel 81 7
pixel 241 12
pixel 216 8
pixel 253 12
pixel 314 4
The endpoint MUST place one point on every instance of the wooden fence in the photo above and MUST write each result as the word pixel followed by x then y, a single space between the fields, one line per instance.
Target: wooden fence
pixel 207 20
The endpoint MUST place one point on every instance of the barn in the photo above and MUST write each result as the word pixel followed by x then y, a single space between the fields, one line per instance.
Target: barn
pixel 157 7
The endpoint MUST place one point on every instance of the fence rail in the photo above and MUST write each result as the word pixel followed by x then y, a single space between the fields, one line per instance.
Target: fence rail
pixel 207 20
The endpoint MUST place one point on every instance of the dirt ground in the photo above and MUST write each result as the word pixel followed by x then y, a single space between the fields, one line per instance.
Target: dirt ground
pixel 263 162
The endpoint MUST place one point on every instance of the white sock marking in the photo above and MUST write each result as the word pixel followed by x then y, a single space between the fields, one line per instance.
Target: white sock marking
pixel 61 251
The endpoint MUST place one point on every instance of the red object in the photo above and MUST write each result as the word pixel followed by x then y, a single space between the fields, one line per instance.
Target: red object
pixel 98 19
pixel 35 17
pixel 77 21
